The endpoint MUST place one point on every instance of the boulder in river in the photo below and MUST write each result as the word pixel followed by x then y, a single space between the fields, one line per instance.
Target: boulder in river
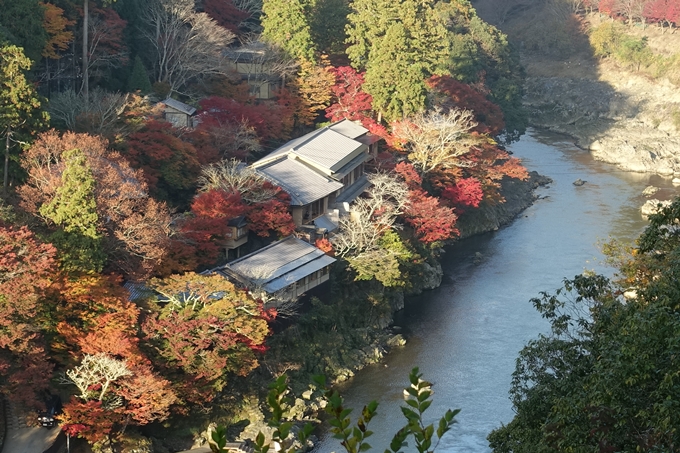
pixel 649 191
pixel 653 206
pixel 578 182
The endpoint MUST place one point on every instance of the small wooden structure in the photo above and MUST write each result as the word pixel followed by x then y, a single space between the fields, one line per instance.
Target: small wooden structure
pixel 237 234
pixel 178 113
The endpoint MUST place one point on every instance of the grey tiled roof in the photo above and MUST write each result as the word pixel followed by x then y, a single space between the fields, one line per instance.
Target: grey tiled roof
pixel 280 264
pixel 181 106
pixel 303 184
pixel 326 147
pixel 349 128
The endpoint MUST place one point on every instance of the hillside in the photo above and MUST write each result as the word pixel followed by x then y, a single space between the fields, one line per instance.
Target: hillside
pixel 625 117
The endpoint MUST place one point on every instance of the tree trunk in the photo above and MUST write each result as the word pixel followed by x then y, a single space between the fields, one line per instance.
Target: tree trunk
pixel 86 60
pixel 5 179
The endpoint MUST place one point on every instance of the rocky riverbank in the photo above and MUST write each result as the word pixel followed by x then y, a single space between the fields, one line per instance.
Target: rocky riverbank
pixel 623 119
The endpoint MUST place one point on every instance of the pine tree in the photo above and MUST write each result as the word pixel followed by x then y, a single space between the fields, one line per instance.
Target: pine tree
pixel 286 24
pixel 74 211
pixel 139 79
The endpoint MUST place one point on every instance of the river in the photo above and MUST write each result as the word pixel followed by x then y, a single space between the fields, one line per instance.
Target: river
pixel 465 335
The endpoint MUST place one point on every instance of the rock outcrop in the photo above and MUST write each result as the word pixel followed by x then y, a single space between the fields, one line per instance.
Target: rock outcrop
pixel 623 119
pixel 518 195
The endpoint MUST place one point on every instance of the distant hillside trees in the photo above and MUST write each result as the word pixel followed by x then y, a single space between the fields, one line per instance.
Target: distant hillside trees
pixel 21 24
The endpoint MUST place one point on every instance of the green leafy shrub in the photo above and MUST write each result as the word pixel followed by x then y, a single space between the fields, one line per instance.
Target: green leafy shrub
pixel 352 437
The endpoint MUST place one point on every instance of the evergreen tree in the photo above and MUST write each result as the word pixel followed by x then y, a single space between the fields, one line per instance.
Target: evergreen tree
pixel 139 79
pixel 328 23
pixel 286 24
pixel 480 54
pixel 20 112
pixel 399 43
pixel 396 82
pixel 23 22
pixel 74 210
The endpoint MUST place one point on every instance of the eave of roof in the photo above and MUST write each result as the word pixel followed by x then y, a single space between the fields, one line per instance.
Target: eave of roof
pixel 178 105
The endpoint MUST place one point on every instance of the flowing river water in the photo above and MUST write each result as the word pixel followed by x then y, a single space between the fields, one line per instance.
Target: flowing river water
pixel 465 335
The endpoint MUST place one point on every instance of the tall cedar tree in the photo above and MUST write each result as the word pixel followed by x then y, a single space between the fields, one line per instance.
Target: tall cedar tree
pixel 20 112
pixel 135 226
pixel 85 89
pixel 399 44
pixel 74 210
pixel 139 79
pixel 286 24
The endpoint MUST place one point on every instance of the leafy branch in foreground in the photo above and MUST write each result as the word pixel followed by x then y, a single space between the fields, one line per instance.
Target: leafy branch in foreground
pixel 352 437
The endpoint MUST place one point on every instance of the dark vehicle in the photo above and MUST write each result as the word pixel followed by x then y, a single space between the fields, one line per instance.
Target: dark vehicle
pixel 52 408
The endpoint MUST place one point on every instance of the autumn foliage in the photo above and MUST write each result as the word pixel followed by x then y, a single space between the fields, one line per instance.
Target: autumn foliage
pixel 204 330
pixel 28 284
pixel 96 319
pixel 352 103
pixel 206 228
pixel 136 225
pixel 226 14
pixel 450 93
pixel 170 165
pixel 55 24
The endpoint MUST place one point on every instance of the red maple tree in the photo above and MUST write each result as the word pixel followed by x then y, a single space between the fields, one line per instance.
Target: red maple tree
pixel 226 14
pixel 169 164
pixel 431 221
pixel 450 93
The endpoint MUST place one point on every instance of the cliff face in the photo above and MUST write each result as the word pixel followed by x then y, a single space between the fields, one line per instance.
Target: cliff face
pixel 622 117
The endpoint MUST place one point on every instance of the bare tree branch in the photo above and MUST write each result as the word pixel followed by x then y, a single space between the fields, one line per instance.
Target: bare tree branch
pixel 95 375
pixel 186 45
pixel 435 139
pixel 371 216
pixel 234 176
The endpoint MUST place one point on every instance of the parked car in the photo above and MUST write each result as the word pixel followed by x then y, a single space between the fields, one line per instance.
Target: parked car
pixel 52 408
